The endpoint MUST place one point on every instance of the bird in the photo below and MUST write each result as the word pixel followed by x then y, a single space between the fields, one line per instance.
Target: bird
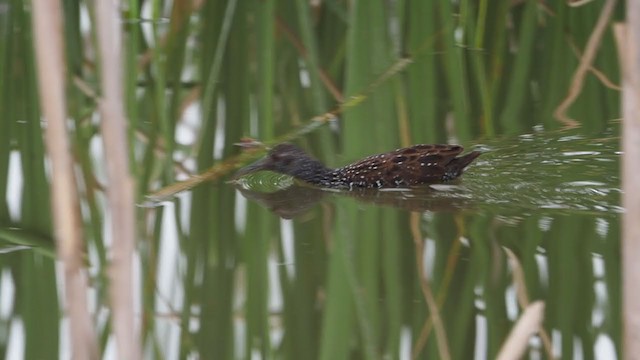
pixel 412 166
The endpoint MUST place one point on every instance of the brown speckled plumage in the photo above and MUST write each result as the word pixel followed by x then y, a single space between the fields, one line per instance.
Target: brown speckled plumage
pixel 407 167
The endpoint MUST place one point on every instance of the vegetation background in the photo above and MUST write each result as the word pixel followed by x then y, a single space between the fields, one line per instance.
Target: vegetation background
pixel 200 75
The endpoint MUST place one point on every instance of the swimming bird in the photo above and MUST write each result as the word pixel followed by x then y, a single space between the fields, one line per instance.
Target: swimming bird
pixel 402 168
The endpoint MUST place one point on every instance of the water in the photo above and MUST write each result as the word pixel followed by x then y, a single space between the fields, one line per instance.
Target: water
pixel 533 173
pixel 306 271
pixel 268 267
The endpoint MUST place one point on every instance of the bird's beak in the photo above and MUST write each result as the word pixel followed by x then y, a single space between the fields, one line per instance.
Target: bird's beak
pixel 256 166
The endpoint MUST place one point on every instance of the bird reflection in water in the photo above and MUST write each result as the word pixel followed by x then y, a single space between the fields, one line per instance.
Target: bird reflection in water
pixel 296 199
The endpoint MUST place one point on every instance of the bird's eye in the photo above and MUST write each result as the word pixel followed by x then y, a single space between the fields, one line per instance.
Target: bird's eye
pixel 282 159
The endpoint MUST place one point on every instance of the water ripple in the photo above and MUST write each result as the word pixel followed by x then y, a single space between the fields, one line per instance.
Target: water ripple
pixel 534 172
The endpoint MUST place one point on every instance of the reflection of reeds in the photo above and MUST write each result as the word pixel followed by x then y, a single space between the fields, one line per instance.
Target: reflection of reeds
pixel 529 323
pixel 65 207
pixel 434 318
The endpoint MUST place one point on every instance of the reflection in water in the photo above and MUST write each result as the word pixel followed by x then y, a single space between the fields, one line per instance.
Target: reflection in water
pixel 296 200
pixel 540 226
pixel 287 203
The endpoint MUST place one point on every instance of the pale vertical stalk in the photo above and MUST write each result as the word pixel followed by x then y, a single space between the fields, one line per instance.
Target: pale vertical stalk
pixel 120 192
pixel 529 323
pixel 629 50
pixel 47 22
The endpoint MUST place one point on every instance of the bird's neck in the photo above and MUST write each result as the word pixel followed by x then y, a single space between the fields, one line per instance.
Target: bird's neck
pixel 313 172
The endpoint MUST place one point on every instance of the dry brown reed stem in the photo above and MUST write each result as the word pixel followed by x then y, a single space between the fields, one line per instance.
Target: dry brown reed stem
pixel 585 64
pixel 576 3
pixel 528 324
pixel 441 334
pixel 49 48
pixel 597 73
pixel 120 193
pixel 627 38
pixel 322 73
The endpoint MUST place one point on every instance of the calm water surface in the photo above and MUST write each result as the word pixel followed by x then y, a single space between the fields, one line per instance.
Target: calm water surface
pixel 296 272
pixel 267 268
